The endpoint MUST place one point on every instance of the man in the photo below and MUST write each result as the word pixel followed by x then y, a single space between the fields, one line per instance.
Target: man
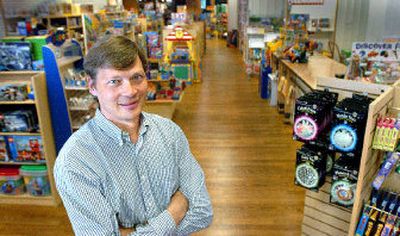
pixel 126 168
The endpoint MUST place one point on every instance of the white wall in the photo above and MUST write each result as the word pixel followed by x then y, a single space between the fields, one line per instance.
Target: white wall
pixel 352 22
pixel 233 11
pixel 267 8
pixel 383 19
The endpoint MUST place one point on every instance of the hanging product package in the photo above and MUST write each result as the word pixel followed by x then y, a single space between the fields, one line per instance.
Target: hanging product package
pixel 311 165
pixel 344 181
pixel 350 117
pixel 313 113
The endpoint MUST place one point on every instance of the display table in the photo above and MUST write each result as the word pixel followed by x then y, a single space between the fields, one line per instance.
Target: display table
pixel 295 79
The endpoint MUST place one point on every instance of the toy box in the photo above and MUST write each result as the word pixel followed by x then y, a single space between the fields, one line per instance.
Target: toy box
pixel 26 148
pixel 36 180
pixel 14 92
pixel 15 56
pixel 10 181
pixel 19 121
pixel 3 149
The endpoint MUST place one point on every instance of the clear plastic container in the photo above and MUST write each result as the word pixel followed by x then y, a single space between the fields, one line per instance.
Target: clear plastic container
pixel 11 181
pixel 36 180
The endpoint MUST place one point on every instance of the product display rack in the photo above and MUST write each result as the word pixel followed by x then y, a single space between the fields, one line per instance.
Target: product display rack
pixel 323 217
pixel 38 82
pixel 65 118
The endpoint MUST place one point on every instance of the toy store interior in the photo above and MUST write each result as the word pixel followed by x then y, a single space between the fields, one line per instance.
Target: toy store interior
pixel 291 107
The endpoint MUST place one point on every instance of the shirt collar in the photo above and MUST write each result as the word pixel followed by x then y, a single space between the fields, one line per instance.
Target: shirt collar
pixel 115 132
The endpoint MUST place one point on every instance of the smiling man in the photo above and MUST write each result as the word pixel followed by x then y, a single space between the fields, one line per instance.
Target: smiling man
pixel 126 171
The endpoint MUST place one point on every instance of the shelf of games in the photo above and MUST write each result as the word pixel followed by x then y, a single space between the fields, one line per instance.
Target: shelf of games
pixel 26 140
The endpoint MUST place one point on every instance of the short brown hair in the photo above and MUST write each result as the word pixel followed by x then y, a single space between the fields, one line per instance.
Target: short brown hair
pixel 116 52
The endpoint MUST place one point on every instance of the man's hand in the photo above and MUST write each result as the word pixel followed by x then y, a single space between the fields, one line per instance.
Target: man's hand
pixel 126 231
pixel 178 206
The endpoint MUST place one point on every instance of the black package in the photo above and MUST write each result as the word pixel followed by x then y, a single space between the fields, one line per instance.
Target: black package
pixel 313 113
pixel 348 125
pixel 310 167
pixel 344 181
pixel 20 121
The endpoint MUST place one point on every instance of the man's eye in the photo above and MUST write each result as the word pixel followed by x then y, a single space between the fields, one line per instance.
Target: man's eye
pixel 138 77
pixel 113 81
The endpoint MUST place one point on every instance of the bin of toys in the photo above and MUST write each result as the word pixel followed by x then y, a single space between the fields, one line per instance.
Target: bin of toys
pixel 36 180
pixel 11 181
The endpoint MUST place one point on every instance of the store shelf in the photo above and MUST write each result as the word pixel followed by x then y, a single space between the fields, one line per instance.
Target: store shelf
pixel 17 102
pixel 162 101
pixel 75 27
pixel 79 108
pixel 63 16
pixel 19 134
pixel 20 72
pixel 21 163
pixel 158 80
pixel 68 60
pixel 76 88
pixel 26 199
pixel 153 60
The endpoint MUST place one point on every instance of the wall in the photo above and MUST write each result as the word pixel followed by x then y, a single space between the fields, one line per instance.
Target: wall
pixel 383 19
pixel 233 12
pixel 266 8
pixel 327 10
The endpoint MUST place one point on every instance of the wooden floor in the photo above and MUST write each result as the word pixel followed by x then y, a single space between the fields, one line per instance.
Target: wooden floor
pixel 243 146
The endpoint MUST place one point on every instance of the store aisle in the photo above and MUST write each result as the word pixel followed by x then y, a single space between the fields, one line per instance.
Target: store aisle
pixel 244 148
pixel 242 144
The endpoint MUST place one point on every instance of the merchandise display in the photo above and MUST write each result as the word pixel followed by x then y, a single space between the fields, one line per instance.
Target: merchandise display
pixel 386 167
pixel 381 215
pixel 386 134
pixel 375 62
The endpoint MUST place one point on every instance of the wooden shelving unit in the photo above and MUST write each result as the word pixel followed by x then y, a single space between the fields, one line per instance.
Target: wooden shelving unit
pixel 38 82
pixel 65 117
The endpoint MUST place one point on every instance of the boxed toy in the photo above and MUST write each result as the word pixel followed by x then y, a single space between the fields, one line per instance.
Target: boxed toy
pixel 344 181
pixel 26 148
pixel 19 121
pixel 3 149
pixel 311 166
pixel 11 181
pixel 15 56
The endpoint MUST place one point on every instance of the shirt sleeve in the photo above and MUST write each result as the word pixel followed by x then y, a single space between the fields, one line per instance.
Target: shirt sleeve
pixel 88 210
pixel 163 224
pixel 193 186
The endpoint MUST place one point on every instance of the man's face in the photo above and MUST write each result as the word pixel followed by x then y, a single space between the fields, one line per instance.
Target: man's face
pixel 121 93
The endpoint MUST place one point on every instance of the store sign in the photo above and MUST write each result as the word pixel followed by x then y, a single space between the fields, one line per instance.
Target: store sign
pixel 377 51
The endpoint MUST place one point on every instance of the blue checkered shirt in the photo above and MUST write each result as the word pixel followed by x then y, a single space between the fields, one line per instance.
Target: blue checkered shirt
pixel 105 181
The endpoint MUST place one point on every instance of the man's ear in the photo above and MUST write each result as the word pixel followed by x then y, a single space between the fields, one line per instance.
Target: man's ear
pixel 92 87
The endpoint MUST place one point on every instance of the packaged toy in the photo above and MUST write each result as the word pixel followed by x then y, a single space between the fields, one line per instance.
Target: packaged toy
pixel 10 181
pixel 36 180
pixel 3 149
pixel 26 148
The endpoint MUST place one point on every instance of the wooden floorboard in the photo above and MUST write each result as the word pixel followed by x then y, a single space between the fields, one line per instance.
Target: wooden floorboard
pixel 240 141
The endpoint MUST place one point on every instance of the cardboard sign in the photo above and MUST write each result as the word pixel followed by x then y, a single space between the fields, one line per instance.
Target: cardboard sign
pixel 377 51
